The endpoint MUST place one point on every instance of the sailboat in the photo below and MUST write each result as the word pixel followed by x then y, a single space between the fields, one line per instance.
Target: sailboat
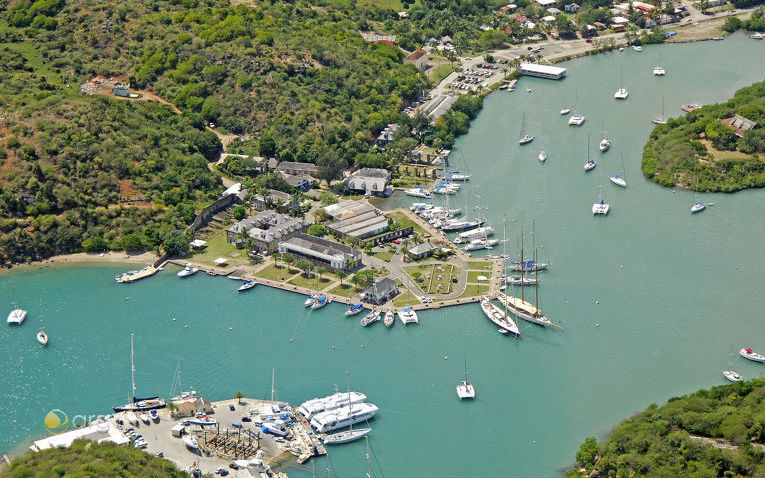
pixel 619 180
pixel 350 434
pixel 525 138
pixel 576 119
pixel 697 206
pixel 601 206
pixel 660 119
pixel 605 143
pixel 659 70
pixel 177 387
pixel 591 163
pixel 138 404
pixel 42 337
pixel 621 93
pixel 496 315
pixel 542 156
pixel 730 374
pixel 465 389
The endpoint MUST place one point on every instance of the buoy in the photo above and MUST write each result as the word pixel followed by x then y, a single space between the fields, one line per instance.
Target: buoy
pixel 333 347
pixel 230 328
pixel 187 326
pixel 446 357
pixel 173 319
pixel 291 339
pixel 362 346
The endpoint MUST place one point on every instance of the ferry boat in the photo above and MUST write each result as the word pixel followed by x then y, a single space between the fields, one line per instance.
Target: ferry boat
pixel 187 271
pixel 247 285
pixel 354 309
pixel 313 407
pixel 499 318
pixel 604 145
pixel 343 417
pixel 698 207
pixel 576 119
pixel 320 302
pixel 750 354
pixel 408 316
pixel 418 192
pixel 371 318
pixel 390 318
pixel 733 376
pixel 464 237
pixel 17 316
pixel 618 180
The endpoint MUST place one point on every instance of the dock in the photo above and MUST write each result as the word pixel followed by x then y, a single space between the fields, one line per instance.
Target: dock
pixel 129 277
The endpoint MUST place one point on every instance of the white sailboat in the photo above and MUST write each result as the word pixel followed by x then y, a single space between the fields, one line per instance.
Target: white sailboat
pixel 591 163
pixel 576 119
pixel 525 137
pixel 465 389
pixel 660 119
pixel 542 156
pixel 17 316
pixel 371 317
pixel 601 206
pixel 350 434
pixel 731 374
pixel 619 180
pixel 138 404
pixel 621 93
pixel 750 354
pixel 42 337
pixel 697 206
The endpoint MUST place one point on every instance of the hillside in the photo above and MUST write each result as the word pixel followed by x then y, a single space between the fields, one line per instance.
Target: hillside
pixel 698 151
pixel 710 433
pixel 86 458
pixel 81 172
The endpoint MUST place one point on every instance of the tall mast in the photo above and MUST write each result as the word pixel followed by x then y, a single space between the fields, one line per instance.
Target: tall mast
pixel 523 267
pixel 504 259
pixel 369 461
pixel 273 377
pixel 132 366
pixel 350 405
pixel 536 267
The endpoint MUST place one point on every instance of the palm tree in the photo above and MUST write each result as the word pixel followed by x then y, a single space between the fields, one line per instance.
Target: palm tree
pixel 341 274
pixel 242 235
pixel 288 259
pixel 321 270
pixel 238 396
pixel 172 408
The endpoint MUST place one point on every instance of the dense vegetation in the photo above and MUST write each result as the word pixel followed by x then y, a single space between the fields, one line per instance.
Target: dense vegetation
pixel 755 23
pixel 85 459
pixel 74 168
pixel 673 440
pixel 697 151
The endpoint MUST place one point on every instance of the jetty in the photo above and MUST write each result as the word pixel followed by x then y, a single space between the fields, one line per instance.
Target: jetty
pixel 133 276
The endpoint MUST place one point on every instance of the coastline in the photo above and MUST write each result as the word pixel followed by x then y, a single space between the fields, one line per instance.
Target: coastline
pixel 111 257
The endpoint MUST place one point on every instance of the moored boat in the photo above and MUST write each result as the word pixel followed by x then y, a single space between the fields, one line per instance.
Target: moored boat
pixel 310 300
pixel 527 266
pixel 315 406
pixel 698 207
pixel 418 192
pixel 320 302
pixel 576 119
pixel 467 236
pixel 465 389
pixel 733 376
pixel 604 145
pixel 354 309
pixel 499 318
pixel 370 318
pixel 590 165
pixel 42 337
pixel 750 354
pixel 191 442
pixel 247 285
pixel 138 404
pixel 659 71
pixel 390 318
pixel 408 316
pixel 343 417
pixel 618 180
pixel 187 271
pixel 542 157
pixel 565 111
pixel 17 316
pixel 346 436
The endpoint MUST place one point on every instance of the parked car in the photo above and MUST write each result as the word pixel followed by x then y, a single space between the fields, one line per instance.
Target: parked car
pixel 233 466
pixel 396 241
pixel 246 419
pixel 231 407
pixel 589 40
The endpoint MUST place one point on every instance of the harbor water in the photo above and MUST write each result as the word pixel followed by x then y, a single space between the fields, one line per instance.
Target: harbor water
pixel 654 302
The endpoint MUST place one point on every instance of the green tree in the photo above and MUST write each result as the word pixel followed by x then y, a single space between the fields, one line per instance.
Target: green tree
pixel 239 212
pixel 326 198
pixel 341 274
pixel 304 265
pixel 288 259
pixel 363 279
pixel 132 243
pixel 238 396
pixel 587 452
pixel 95 244
pixel 317 230
pixel 321 270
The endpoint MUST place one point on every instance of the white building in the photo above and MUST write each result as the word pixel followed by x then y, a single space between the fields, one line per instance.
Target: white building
pixel 321 251
pixel 542 71
pixel 98 432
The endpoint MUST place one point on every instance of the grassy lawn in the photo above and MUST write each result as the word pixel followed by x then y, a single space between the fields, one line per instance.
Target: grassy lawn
pixel 473 276
pixel 345 290
pixel 447 272
pixel 217 246
pixel 479 266
pixel 312 282
pixel 473 290
pixel 405 298
pixel 392 4
pixel 272 273
pixel 384 255
pixel 406 222
pixel 439 72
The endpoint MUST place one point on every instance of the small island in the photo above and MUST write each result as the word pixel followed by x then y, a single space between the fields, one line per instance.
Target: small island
pixel 715 148
pixel 715 432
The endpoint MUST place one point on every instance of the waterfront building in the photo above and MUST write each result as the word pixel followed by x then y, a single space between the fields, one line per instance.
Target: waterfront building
pixel 101 431
pixel 381 291
pixel 542 71
pixel 370 181
pixel 267 229
pixel 423 250
pixel 322 252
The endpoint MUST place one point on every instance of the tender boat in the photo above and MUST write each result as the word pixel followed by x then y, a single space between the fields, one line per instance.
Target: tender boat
pixel 621 94
pixel 499 318
pixel 618 180
pixel 42 337
pixel 354 309
pixel 187 271
pixel 247 285
pixel 390 318
pixel 604 145
pixel 525 139
pixel 757 36
pixel 144 418
pixel 346 436
pixel 465 389
pixel 565 111
pixel 590 165
pixel 659 71
pixel 17 316
pixel 310 300
pixel 658 120
pixel 418 192
pixel 698 207
pixel 371 317
pixel 733 376
pixel 542 156
pixel 343 417
pixel 576 120
pixel 408 316
pixel 320 302
pixel 191 442
pixel 750 354
pixel 637 48
pixel 601 207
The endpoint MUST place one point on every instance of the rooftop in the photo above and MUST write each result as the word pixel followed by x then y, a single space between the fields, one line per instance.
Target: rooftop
pixel 321 246
pixel 416 54
pixel 381 287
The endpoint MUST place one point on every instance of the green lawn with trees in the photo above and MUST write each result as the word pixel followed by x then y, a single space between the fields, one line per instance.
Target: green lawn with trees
pixel 87 458
pixel 697 151
pixel 677 438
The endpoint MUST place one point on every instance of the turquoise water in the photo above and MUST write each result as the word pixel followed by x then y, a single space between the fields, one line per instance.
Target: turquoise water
pixel 688 295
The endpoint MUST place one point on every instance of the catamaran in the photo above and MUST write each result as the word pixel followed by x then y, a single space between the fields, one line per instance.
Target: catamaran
pixel 465 389
pixel 525 137
pixel 499 318
pixel 659 71
pixel 750 354
pixel 408 316
pixel 576 119
pixel 350 434
pixel 601 206
pixel 418 192
pixel 17 316
pixel 138 404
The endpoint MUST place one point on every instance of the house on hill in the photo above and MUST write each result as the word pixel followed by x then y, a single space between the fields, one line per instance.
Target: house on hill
pixel 739 124
pixel 418 58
